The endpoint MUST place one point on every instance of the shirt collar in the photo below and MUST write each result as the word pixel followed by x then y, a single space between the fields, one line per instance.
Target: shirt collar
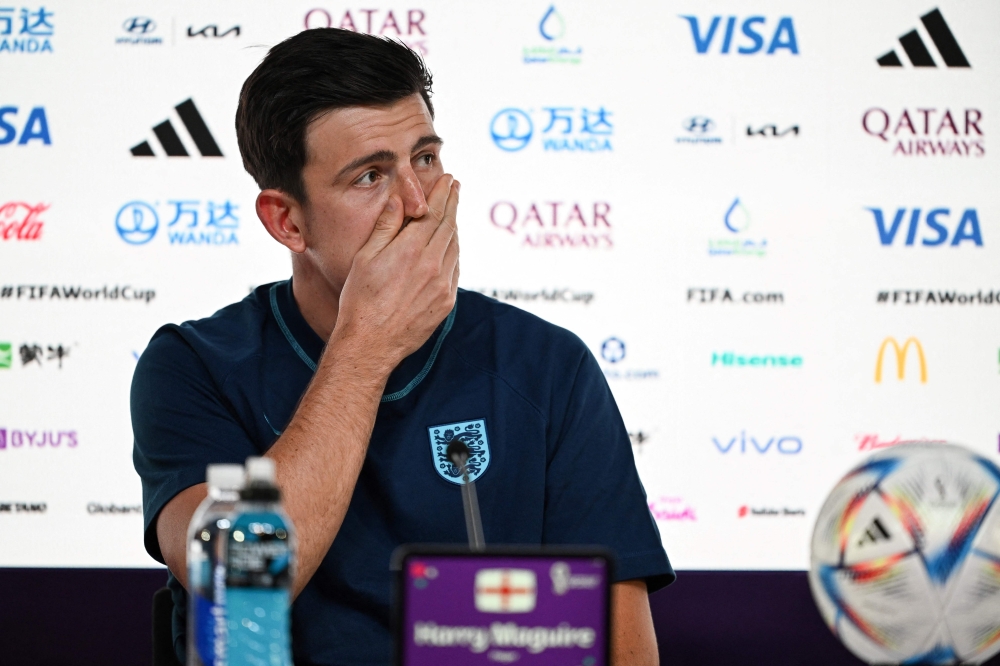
pixel 309 346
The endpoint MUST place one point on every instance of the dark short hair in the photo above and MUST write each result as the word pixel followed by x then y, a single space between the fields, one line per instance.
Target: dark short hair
pixel 305 76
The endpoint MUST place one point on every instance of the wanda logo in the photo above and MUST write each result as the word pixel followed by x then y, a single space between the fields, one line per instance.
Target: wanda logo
pixel 19 220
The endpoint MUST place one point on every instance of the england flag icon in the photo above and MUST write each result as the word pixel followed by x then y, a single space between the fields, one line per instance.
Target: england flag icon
pixel 506 590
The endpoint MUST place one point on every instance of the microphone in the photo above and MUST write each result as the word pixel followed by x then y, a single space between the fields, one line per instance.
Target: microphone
pixel 458 454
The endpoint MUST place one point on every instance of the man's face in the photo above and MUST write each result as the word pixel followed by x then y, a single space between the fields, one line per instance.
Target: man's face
pixel 355 159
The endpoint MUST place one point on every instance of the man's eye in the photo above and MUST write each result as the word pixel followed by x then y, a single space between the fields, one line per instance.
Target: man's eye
pixel 426 160
pixel 368 178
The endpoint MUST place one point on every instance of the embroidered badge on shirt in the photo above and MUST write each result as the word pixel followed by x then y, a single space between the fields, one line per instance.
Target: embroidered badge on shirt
pixel 473 435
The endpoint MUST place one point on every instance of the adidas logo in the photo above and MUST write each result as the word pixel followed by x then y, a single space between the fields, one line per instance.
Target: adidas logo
pixel 171 142
pixel 917 52
pixel 874 533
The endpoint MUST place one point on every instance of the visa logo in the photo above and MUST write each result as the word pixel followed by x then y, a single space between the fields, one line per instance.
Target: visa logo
pixel 935 221
pixel 786 445
pixel 506 590
pixel 749 41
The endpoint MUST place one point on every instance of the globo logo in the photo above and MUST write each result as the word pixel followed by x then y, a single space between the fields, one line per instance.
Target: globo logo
pixel 788 445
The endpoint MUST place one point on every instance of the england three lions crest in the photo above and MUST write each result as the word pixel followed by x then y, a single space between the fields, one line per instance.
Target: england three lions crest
pixel 473 435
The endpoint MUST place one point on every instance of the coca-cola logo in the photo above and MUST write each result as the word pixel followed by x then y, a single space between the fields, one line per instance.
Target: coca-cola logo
pixel 19 220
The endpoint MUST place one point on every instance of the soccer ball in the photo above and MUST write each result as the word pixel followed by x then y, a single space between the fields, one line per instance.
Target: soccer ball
pixel 905 564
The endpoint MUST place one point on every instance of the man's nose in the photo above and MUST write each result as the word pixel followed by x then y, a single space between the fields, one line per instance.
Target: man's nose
pixel 412 193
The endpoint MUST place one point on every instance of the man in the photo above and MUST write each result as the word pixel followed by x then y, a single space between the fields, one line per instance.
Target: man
pixel 356 373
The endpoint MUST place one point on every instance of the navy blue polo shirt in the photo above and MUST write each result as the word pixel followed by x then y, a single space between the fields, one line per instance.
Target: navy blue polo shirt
pixel 550 454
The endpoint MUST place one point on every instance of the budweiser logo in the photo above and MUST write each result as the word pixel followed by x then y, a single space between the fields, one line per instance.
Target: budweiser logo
pixel 19 220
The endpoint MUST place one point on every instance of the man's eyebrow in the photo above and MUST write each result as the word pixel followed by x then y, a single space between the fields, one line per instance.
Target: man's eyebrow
pixel 428 140
pixel 377 156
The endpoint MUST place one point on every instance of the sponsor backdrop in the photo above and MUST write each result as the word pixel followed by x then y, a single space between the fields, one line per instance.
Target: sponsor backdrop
pixel 775 224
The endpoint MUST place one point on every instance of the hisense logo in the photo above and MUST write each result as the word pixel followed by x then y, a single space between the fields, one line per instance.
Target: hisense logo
pixel 728 359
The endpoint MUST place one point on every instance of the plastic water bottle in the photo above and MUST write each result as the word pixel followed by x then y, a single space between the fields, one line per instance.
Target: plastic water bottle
pixel 207 639
pixel 261 566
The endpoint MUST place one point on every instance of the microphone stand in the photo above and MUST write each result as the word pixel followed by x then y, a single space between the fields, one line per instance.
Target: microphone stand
pixel 458 454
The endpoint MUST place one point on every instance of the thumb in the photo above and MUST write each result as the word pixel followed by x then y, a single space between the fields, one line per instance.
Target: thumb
pixel 387 226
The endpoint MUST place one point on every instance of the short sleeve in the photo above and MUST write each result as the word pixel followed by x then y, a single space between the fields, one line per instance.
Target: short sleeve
pixel 593 492
pixel 181 423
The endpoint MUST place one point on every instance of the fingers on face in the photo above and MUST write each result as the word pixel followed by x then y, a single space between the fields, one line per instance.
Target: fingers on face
pixel 438 198
pixel 447 228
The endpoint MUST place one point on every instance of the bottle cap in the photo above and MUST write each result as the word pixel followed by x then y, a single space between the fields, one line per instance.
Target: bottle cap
pixel 260 471
pixel 225 477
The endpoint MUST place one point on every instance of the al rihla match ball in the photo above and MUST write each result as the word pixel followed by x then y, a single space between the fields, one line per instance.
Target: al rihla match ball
pixel 905 563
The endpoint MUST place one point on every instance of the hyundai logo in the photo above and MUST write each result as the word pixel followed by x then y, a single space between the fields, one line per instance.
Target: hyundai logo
pixel 699 125
pixel 139 24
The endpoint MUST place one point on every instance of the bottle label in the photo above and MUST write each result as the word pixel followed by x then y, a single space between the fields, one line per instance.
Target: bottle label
pixel 259 626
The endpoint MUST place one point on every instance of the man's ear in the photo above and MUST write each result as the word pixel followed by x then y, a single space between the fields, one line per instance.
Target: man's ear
pixel 283 217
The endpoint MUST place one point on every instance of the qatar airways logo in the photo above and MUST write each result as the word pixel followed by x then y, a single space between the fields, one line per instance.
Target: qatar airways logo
pixel 405 25
pixel 928 132
pixel 555 224
pixel 14 440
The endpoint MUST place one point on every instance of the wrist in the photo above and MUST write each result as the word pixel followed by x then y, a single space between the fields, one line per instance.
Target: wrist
pixel 359 354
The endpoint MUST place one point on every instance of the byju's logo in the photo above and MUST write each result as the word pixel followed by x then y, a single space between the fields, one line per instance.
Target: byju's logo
pixel 139 32
pixel 212 32
pixel 699 130
pixel 936 223
pixel 555 224
pixel 214 224
pixel 736 220
pixel 552 29
pixel 16 440
pixel 900 353
pixel 35 128
pixel 750 42
pixel 772 130
pixel 406 25
pixel 171 142
pixel 787 445
pixel 33 33
pixel 20 221
pixel 939 32
pixel 928 132
pixel 566 128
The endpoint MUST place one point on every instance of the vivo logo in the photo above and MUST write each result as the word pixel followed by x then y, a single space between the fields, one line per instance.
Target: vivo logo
pixel 786 444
